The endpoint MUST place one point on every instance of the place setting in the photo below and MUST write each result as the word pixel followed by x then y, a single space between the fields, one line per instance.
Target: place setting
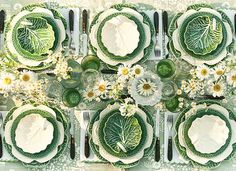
pixel 132 87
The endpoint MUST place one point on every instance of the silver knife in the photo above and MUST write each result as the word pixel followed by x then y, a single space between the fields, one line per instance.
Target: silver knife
pixel 157 133
pixel 72 133
pixel 164 31
pixel 84 36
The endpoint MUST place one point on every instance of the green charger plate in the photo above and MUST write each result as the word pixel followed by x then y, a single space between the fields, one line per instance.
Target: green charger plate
pixel 120 164
pixel 61 118
pixel 148 50
pixel 50 147
pixel 102 132
pixel 199 114
pixel 142 38
pixel 182 151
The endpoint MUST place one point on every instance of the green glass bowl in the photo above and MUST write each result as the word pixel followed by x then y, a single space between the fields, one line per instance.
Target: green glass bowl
pixel 165 68
pixel 71 97
pixel 90 62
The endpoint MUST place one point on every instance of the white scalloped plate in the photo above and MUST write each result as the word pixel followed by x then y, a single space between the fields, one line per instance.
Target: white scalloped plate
pixel 211 140
pixel 8 139
pixel 101 55
pixel 220 157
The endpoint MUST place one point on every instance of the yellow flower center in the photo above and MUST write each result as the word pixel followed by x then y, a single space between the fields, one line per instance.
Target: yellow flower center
pixel 219 72
pixel 125 71
pixel 90 94
pixel 7 81
pixel 204 72
pixel 137 71
pixel 217 88
pixel 233 78
pixel 146 86
pixel 25 77
pixel 102 88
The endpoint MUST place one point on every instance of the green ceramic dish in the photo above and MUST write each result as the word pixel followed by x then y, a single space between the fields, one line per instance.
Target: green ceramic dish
pixel 50 147
pixel 182 37
pixel 119 164
pixel 199 114
pixel 102 132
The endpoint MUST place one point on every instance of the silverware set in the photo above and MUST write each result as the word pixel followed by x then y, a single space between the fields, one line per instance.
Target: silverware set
pixel 160 47
pixel 83 38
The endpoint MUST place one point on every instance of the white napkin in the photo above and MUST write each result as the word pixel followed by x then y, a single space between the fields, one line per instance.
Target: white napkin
pixel 6 156
pixel 150 13
pixel 92 157
pixel 176 156
pixel 76 33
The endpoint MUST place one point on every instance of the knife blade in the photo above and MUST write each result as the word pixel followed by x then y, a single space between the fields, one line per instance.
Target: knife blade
pixel 2 25
pixel 165 29
pixel 157 133
pixel 84 36
pixel 72 134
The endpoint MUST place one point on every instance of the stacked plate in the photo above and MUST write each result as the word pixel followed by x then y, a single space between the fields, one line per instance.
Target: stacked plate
pixel 121 35
pixel 35 135
pixel 33 34
pixel 201 35
pixel 121 140
pixel 205 134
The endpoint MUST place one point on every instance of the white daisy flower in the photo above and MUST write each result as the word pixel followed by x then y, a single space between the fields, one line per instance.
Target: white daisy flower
pixel 89 95
pixel 146 87
pixel 218 71
pixel 7 80
pixel 231 78
pixel 124 71
pixel 28 76
pixel 202 72
pixel 102 87
pixel 217 89
pixel 137 71
pixel 128 108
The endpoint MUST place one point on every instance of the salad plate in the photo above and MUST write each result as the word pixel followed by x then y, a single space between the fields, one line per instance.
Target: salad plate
pixel 33 34
pixel 201 35
pixel 143 24
pixel 35 156
pixel 187 153
pixel 127 153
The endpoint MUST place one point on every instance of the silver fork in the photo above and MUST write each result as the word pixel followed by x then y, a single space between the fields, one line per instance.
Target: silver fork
pixel 157 48
pixel 170 125
pixel 86 143
pixel 1 123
